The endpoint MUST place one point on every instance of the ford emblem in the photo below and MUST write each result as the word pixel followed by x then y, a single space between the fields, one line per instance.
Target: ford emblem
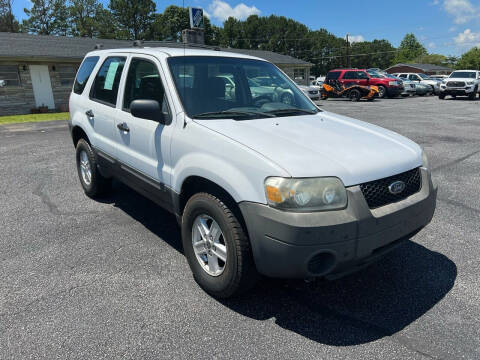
pixel 396 187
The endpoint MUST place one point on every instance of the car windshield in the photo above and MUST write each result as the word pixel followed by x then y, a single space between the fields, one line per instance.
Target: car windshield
pixel 374 74
pixel 463 74
pixel 425 77
pixel 224 87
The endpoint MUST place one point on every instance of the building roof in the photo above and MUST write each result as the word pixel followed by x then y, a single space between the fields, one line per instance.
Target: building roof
pixel 37 47
pixel 424 67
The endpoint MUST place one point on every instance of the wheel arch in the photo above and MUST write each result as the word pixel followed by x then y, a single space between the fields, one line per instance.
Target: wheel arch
pixel 78 133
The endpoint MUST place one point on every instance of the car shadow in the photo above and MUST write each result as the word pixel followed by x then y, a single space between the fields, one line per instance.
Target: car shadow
pixel 376 302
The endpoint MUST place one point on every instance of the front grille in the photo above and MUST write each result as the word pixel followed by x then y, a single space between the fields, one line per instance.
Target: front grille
pixel 313 92
pixel 455 84
pixel 377 194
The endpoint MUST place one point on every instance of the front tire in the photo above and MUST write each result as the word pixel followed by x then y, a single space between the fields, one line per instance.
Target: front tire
pixel 382 91
pixel 441 96
pixel 473 94
pixel 217 247
pixel 93 183
pixel 354 95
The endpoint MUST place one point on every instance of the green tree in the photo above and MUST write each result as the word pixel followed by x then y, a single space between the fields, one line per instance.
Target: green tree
pixel 410 49
pixel 133 16
pixel 84 17
pixel 46 17
pixel 372 54
pixel 8 23
pixel 470 59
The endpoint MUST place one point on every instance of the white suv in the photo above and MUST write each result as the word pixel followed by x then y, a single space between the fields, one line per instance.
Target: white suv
pixel 461 83
pixel 258 184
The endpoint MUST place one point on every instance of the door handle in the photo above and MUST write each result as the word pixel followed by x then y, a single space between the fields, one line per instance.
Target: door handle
pixel 89 114
pixel 123 127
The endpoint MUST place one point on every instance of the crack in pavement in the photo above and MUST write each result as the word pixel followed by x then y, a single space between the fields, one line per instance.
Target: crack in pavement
pixel 459 204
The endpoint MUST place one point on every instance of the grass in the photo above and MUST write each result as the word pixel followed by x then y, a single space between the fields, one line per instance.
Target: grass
pixel 33 118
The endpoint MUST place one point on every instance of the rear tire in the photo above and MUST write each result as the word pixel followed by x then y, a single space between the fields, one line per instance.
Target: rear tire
pixel 220 278
pixel 93 183
pixel 354 95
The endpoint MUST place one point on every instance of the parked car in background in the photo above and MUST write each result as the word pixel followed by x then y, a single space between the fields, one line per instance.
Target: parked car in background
pixel 386 87
pixel 376 70
pixel 422 79
pixel 283 190
pixel 312 91
pixel 422 89
pixel 461 83
pixel 409 87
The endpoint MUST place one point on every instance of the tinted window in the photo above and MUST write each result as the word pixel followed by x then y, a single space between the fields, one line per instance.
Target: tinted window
pixel 362 75
pixel 350 75
pixel 333 75
pixel 413 77
pixel 84 73
pixel 463 74
pixel 144 82
pixel 105 87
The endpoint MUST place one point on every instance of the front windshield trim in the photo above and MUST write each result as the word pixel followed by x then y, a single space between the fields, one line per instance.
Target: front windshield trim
pixel 304 101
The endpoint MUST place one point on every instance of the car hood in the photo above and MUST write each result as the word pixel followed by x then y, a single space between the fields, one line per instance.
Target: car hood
pixel 324 144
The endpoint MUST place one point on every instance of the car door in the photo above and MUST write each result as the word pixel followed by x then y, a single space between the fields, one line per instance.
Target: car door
pixel 363 78
pixel 349 78
pixel 102 111
pixel 143 146
pixel 414 77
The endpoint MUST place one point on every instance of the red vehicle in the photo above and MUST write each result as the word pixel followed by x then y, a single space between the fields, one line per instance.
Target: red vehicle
pixel 386 86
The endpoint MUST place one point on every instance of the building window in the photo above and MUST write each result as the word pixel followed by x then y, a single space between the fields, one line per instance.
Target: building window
pixel 9 75
pixel 299 74
pixel 66 74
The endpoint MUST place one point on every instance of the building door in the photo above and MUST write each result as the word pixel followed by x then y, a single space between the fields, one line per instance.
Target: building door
pixel 42 87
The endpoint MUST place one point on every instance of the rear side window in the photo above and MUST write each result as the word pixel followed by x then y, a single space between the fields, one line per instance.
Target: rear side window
pixel 350 75
pixel 105 86
pixel 333 75
pixel 84 73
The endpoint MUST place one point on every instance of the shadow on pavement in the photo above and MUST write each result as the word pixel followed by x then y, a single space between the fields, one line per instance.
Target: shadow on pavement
pixel 373 303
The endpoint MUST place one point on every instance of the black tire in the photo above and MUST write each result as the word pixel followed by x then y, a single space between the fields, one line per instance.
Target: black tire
pixel 98 185
pixel 441 96
pixel 473 94
pixel 433 90
pixel 239 273
pixel 382 91
pixel 354 95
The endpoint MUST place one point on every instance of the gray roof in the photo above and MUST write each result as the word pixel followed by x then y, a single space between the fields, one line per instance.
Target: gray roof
pixel 37 47
pixel 425 67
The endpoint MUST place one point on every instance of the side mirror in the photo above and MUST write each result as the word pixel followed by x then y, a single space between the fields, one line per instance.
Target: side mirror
pixel 147 109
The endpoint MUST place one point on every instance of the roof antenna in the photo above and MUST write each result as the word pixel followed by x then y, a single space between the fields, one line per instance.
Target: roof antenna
pixel 138 43
pixel 98 46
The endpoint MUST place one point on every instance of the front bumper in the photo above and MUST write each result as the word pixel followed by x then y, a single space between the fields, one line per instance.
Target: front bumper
pixel 457 91
pixel 333 243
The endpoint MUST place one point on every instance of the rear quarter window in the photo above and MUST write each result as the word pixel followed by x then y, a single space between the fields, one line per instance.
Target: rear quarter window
pixel 333 75
pixel 84 73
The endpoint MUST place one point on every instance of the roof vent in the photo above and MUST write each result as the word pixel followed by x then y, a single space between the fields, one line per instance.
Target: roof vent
pixel 98 46
pixel 138 43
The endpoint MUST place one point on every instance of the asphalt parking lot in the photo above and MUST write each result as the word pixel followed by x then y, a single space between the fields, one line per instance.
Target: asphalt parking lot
pixel 107 279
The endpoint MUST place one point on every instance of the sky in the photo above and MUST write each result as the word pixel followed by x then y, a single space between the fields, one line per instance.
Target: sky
pixel 448 27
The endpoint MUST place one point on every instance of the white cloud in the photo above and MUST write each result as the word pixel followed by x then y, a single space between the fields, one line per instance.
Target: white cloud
pixel 432 45
pixel 468 38
pixel 462 10
pixel 222 11
pixel 356 38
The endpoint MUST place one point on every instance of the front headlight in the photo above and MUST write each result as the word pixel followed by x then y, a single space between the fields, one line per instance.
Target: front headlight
pixel 392 83
pixel 307 194
pixel 470 82
pixel 425 160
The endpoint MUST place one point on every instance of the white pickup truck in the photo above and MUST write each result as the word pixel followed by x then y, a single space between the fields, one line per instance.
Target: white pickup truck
pixel 461 83
pixel 259 185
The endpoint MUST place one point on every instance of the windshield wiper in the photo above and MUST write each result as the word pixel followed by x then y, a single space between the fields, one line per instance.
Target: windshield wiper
pixel 227 113
pixel 292 110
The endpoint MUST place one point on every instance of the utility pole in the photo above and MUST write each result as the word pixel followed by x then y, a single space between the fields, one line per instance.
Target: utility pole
pixel 348 53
